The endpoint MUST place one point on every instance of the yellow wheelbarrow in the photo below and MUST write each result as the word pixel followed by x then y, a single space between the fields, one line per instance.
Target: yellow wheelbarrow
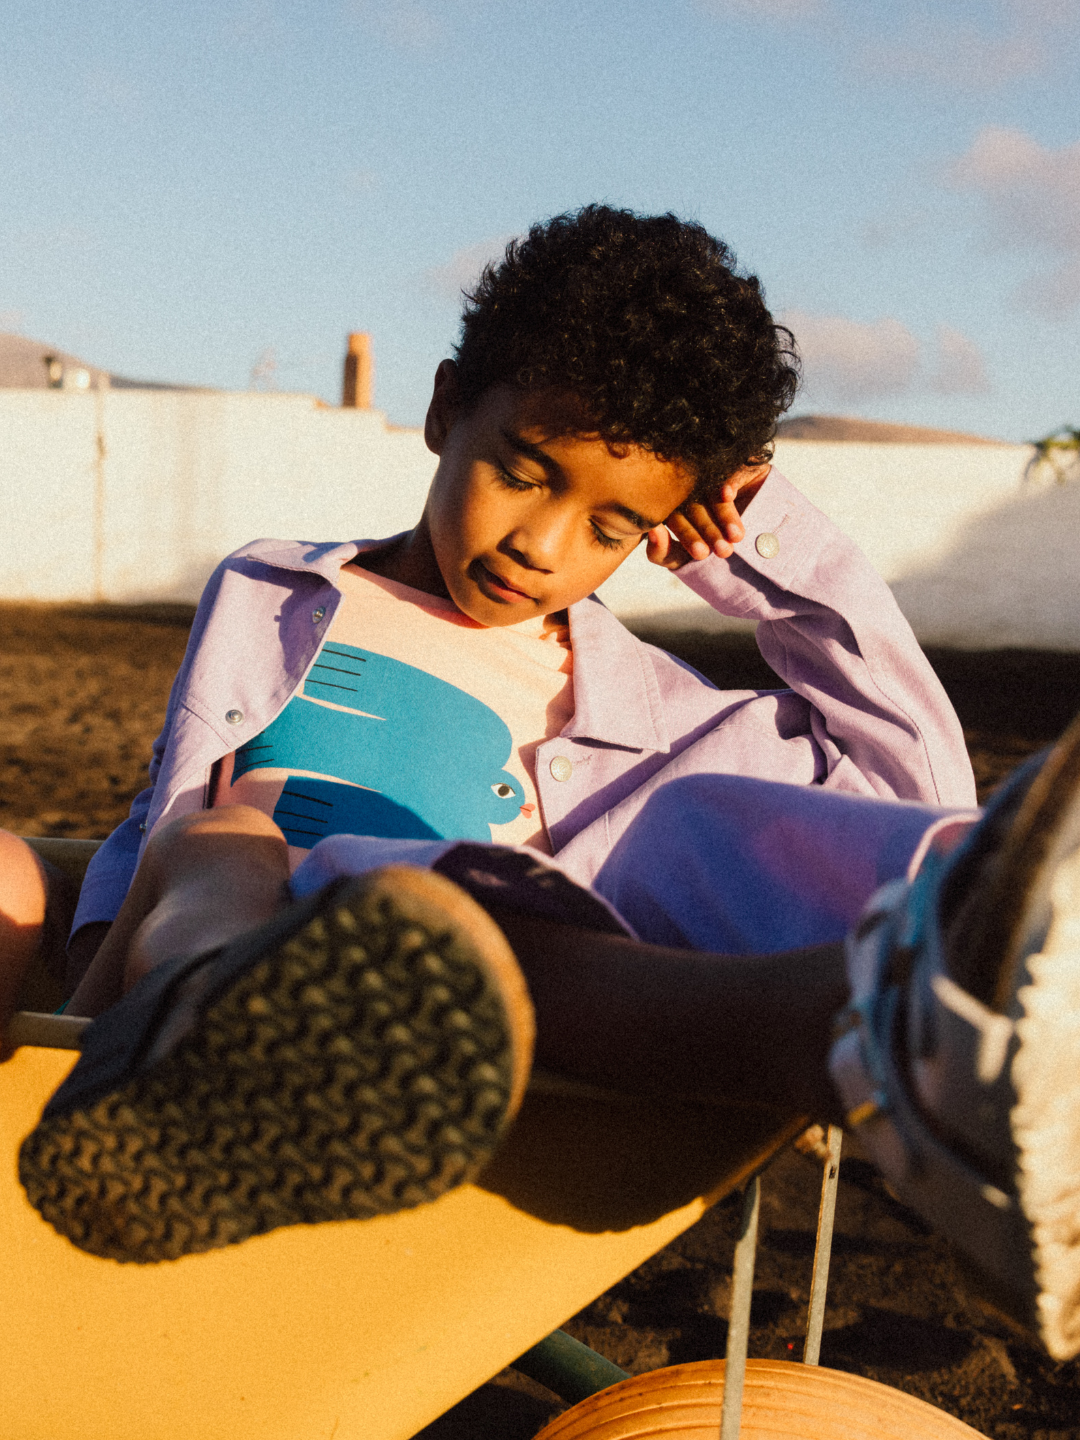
pixel 368 1331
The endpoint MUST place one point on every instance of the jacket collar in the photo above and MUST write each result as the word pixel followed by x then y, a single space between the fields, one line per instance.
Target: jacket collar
pixel 616 693
pixel 325 559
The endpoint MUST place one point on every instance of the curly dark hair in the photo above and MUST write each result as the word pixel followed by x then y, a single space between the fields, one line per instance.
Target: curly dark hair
pixel 644 319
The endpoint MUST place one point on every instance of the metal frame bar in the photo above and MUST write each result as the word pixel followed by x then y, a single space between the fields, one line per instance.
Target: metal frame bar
pixel 742 1294
pixel 742 1285
pixel 815 1320
pixel 570 1369
pixel 54 1032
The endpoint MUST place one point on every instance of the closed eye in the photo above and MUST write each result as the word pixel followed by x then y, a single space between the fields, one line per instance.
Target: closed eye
pixel 609 542
pixel 510 480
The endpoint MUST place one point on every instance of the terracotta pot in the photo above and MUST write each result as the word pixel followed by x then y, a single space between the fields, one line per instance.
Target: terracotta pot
pixel 781 1401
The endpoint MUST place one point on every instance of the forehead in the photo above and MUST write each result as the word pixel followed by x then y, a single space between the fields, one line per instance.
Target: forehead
pixel 544 416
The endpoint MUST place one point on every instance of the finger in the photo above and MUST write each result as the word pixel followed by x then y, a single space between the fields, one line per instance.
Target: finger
pixel 724 529
pixel 696 545
pixel 662 549
pixel 657 545
pixel 726 515
pixel 687 538
pixel 718 525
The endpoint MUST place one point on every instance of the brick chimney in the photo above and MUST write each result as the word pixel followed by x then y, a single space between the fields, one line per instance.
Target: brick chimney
pixel 359 371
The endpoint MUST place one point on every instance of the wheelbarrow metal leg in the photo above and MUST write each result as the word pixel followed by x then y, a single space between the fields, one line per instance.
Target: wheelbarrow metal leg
pixel 571 1369
pixel 815 1320
pixel 742 1290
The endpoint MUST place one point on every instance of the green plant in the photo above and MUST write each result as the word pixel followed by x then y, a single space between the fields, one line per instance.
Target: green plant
pixel 1060 451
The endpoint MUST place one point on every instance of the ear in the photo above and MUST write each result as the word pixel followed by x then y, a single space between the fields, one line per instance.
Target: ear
pixel 443 409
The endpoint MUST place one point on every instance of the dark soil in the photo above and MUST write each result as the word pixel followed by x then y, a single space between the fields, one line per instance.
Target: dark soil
pixel 82 695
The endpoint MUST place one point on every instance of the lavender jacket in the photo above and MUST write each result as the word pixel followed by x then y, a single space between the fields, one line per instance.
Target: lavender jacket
pixel 864 713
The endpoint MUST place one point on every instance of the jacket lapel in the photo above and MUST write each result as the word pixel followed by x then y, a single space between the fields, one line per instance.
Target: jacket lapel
pixel 616 694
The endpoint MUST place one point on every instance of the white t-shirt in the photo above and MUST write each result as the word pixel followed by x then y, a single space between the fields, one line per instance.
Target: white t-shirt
pixel 414 721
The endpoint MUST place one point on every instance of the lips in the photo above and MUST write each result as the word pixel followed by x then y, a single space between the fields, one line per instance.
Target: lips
pixel 503 589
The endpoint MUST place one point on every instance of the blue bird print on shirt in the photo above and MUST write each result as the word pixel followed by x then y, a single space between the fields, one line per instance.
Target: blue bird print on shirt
pixel 429 755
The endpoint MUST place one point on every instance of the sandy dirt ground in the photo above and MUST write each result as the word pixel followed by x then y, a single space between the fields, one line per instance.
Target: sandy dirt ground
pixel 82 694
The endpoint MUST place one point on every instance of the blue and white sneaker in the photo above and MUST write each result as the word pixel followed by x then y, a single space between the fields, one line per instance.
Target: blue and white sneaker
pixel 957 1059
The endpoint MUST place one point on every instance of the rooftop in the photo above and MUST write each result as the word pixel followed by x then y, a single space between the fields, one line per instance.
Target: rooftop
pixel 31 365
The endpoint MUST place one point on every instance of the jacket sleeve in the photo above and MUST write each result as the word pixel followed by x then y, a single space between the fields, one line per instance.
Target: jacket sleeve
pixel 829 626
pixel 110 872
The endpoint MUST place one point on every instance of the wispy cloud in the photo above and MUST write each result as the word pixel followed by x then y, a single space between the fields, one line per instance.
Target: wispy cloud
pixel 995 43
pixel 1031 206
pixel 463 268
pixel 960 368
pixel 851 362
pixel 1045 12
pixel 1000 42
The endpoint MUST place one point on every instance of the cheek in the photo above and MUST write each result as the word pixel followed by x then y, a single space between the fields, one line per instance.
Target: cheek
pixel 594 566
pixel 457 517
pixel 614 559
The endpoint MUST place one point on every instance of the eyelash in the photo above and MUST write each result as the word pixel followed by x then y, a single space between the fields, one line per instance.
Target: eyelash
pixel 511 482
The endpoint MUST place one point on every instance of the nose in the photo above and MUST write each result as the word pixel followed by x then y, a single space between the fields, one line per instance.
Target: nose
pixel 539 539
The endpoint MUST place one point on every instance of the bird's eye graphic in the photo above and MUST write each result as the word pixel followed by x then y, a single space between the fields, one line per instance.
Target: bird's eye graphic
pixel 503 790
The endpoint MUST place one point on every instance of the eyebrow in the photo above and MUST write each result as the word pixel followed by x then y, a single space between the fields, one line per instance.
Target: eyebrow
pixel 524 447
pixel 634 517
pixel 534 452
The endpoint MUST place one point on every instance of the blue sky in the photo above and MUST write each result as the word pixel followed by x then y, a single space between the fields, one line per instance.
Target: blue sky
pixel 190 191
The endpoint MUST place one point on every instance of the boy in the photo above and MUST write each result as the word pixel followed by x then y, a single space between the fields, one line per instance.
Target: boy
pixel 613 374
pixel 615 381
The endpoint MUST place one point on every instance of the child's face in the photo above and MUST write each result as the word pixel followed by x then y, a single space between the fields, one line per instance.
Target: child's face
pixel 524 518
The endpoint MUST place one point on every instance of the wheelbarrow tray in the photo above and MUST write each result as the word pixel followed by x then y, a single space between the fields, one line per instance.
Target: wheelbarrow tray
pixel 354 1330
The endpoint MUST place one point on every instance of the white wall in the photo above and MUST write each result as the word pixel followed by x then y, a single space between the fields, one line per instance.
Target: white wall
pixel 977 555
pixel 135 495
pixel 129 495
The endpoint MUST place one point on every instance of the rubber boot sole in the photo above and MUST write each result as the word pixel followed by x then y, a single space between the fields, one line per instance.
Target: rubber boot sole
pixel 358 1056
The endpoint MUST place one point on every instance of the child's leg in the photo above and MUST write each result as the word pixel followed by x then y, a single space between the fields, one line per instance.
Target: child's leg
pixel 210 877
pixel 358 1051
pixel 726 862
pixel 36 906
pixel 632 1016
pixel 951 1063
pixel 203 880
